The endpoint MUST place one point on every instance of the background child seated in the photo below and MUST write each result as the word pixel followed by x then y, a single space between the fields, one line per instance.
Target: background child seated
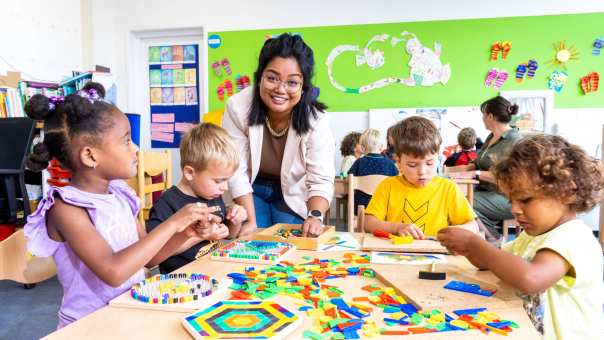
pixel 372 163
pixel 351 149
pixel 417 203
pixel 208 158
pixel 556 262
pixel 466 139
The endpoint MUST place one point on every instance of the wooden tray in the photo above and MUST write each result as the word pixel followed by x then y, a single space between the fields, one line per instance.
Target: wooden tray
pixel 305 243
pixel 371 242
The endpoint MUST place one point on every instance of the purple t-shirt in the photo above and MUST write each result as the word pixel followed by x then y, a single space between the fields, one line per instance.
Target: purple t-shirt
pixel 113 216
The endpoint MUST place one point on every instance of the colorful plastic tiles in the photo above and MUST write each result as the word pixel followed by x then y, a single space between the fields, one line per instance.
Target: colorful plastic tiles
pixel 469 288
pixel 242 319
pixel 262 252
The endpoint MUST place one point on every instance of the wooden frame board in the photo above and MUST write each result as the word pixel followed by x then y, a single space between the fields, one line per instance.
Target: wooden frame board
pixel 304 243
pixel 372 243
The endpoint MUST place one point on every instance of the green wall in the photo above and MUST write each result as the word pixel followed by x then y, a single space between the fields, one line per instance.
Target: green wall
pixel 465 46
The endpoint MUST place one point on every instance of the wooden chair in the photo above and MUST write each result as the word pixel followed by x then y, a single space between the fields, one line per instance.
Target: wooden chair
pixel 366 184
pixel 18 265
pixel 152 164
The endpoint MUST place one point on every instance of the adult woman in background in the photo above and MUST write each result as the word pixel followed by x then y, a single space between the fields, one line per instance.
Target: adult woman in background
pixel 287 148
pixel 489 204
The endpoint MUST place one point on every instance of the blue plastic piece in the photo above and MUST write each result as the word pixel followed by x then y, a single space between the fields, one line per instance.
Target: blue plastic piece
pixel 353 270
pixel 471 311
pixel 408 308
pixel 501 324
pixel 448 318
pixel 468 288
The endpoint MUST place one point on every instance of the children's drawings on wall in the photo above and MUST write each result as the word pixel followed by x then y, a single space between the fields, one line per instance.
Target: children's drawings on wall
pixel 425 66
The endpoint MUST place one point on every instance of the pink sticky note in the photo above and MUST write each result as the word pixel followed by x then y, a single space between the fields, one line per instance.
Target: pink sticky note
pixel 162 137
pixel 182 127
pixel 162 118
pixel 162 127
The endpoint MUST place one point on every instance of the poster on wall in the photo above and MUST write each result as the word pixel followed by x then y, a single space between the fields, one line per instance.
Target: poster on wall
pixel 173 93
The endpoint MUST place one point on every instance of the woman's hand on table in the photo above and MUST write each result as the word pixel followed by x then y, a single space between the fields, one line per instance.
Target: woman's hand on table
pixel 312 227
pixel 248 228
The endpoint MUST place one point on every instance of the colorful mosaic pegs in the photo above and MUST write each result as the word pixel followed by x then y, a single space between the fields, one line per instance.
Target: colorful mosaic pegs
pixel 286 233
pixel 174 288
pixel 262 252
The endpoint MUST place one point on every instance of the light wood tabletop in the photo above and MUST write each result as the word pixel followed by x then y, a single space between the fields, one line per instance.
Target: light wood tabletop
pixel 126 323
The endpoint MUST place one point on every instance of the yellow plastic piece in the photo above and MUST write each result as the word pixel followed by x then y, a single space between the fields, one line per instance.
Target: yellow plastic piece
pixel 460 323
pixel 401 239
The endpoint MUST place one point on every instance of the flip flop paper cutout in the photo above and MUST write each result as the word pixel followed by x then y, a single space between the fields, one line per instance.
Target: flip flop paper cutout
pixel 220 92
pixel 216 68
pixel 501 78
pixel 495 48
pixel 598 44
pixel 532 68
pixel 227 66
pixel 585 84
pixel 491 75
pixel 228 85
pixel 594 81
pixel 506 46
pixel 520 72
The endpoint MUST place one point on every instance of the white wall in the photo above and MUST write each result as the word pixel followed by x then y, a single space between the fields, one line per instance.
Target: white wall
pixel 41 38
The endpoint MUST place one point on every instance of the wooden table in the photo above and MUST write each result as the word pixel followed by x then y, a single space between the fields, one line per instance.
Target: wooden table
pixel 126 323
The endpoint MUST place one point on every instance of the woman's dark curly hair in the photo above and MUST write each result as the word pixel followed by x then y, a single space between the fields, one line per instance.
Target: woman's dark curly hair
pixel 288 46
pixel 349 143
pixel 65 121
pixel 557 169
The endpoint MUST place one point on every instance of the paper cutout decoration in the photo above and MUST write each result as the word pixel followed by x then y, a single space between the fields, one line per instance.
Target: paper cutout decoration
pixel 496 78
pixel 590 82
pixel 242 319
pixel 495 48
pixel 426 68
pixel 506 46
pixel 502 76
pixel 227 66
pixel 564 54
pixel 217 69
pixel 557 80
pixel 491 75
pixel 598 44
pixel 520 72
pixel 532 68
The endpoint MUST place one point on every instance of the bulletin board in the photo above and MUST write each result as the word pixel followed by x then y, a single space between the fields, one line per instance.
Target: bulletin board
pixel 351 61
pixel 173 93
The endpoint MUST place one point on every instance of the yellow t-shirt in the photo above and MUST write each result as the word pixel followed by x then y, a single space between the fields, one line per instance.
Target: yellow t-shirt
pixel 572 307
pixel 435 206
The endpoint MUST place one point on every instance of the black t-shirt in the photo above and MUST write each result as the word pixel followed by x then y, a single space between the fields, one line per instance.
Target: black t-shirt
pixel 169 203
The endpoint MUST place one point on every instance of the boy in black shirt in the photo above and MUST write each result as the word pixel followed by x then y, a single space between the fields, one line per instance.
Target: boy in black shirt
pixel 208 158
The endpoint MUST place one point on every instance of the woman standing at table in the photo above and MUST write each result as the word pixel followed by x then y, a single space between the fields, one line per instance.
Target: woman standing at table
pixel 489 204
pixel 286 174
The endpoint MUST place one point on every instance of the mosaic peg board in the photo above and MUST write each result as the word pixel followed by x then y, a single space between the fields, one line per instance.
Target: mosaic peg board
pixel 242 320
pixel 179 292
pixel 254 251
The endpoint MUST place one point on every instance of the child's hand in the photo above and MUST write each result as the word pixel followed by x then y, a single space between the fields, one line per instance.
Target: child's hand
pixel 216 231
pixel 192 213
pixel 410 230
pixel 236 215
pixel 247 229
pixel 458 241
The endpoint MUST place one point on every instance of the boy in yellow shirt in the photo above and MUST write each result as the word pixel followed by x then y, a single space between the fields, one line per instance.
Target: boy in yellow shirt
pixel 418 203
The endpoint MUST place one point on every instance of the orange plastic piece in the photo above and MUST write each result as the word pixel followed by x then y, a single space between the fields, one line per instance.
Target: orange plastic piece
pixel 420 330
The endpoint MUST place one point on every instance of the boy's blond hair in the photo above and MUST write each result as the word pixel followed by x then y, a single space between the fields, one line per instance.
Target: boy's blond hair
pixel 208 143
pixel 370 140
pixel 416 136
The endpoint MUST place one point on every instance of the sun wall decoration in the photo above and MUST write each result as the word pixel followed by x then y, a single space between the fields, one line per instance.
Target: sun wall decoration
pixel 564 54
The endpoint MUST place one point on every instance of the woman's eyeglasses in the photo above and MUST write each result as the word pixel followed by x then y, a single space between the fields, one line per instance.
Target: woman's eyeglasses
pixel 291 86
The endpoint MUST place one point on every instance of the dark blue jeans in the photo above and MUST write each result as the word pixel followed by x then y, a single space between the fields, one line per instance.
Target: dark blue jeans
pixel 269 204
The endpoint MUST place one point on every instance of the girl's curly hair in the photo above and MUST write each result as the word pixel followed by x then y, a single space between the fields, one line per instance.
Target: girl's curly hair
pixel 557 168
pixel 349 143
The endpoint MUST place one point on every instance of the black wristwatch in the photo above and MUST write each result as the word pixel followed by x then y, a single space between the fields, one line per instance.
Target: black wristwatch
pixel 316 214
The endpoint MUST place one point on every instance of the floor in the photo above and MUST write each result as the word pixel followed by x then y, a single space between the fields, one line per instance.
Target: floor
pixel 29 313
